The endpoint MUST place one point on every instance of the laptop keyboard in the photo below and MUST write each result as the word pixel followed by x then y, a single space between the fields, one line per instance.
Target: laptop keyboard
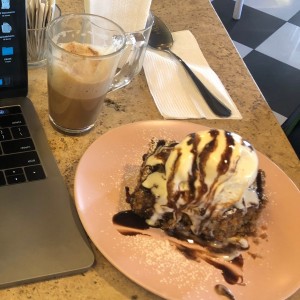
pixel 19 161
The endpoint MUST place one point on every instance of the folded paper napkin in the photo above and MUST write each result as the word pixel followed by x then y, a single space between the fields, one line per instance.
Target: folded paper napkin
pixel 131 15
pixel 174 92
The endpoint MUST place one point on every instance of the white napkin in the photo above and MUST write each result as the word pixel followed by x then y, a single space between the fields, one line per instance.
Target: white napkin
pixel 131 15
pixel 174 93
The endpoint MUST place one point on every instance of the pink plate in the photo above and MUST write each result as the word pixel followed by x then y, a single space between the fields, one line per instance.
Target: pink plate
pixel 271 267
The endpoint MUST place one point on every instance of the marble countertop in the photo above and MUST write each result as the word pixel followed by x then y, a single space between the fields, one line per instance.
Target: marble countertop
pixel 134 103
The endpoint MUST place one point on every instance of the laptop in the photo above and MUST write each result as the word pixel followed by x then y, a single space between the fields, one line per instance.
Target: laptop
pixel 41 236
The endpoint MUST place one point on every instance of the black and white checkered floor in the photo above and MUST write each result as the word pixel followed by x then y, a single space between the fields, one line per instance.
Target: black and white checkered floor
pixel 267 37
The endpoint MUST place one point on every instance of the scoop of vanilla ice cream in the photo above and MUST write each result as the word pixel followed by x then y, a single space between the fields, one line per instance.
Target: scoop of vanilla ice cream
pixel 205 174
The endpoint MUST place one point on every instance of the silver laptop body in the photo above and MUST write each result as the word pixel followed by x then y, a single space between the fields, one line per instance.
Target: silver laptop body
pixel 41 235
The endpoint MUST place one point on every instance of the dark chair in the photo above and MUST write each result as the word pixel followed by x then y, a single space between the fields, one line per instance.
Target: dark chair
pixel 291 127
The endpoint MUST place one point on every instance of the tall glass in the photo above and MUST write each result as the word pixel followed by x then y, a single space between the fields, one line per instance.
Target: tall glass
pixel 83 55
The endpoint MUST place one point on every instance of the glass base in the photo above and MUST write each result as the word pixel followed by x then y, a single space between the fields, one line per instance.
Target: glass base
pixel 70 131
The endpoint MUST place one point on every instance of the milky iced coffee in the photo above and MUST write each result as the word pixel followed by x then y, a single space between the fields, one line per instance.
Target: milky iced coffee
pixel 84 51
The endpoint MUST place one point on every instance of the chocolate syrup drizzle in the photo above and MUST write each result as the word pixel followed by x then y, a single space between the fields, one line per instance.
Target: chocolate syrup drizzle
pixel 129 223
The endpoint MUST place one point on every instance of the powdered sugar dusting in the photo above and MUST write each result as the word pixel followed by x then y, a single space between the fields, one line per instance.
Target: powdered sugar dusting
pixel 164 262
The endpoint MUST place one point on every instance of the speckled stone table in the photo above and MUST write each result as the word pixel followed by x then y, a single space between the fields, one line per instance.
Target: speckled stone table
pixel 134 103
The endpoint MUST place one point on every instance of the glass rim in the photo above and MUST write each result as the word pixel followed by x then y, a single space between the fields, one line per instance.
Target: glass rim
pixel 94 57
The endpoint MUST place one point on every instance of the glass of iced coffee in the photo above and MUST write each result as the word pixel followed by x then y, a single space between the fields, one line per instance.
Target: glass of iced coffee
pixel 83 55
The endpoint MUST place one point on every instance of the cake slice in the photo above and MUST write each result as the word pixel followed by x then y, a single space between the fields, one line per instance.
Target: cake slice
pixel 208 186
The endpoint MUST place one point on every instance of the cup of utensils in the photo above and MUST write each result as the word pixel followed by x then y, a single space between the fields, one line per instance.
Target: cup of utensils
pixel 39 14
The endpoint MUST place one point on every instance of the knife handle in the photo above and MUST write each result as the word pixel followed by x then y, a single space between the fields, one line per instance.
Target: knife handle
pixel 215 104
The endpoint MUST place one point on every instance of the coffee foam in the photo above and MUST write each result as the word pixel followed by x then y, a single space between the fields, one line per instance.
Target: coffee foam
pixel 81 77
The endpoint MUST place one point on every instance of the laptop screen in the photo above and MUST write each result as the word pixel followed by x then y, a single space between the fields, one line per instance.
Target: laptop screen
pixel 13 52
